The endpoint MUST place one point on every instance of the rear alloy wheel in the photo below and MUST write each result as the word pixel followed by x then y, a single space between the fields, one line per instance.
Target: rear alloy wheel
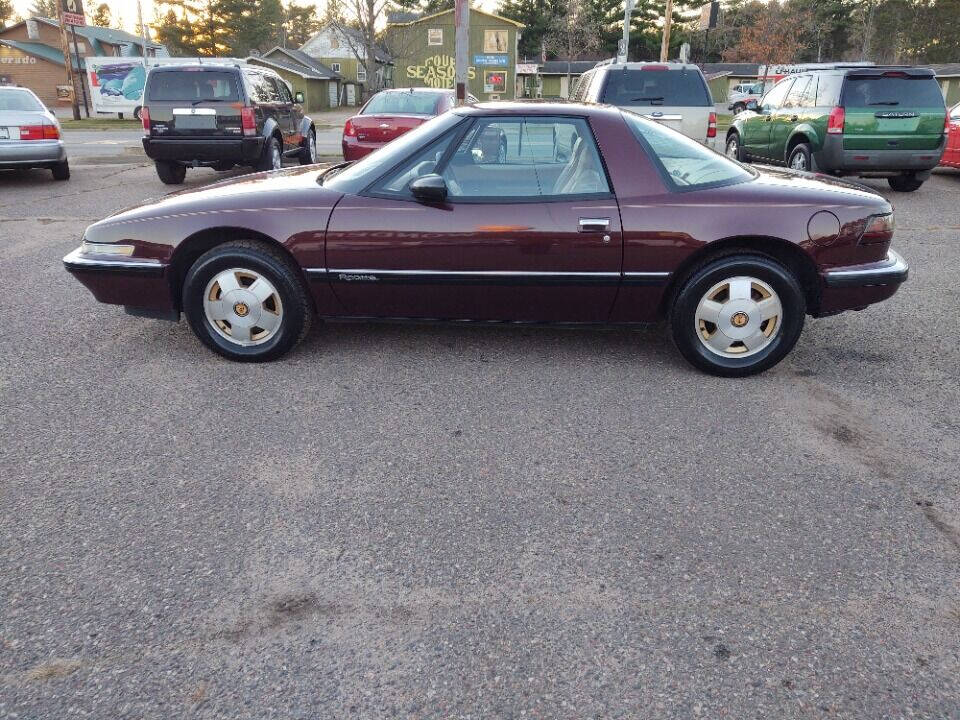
pixel 246 301
pixel 738 315
pixel 734 149
pixel 271 158
pixel 905 183
pixel 800 158
pixel 308 153
pixel 61 171
pixel 171 173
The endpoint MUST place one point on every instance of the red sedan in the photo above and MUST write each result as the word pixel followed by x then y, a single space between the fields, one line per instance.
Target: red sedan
pixel 391 113
pixel 951 155
pixel 583 214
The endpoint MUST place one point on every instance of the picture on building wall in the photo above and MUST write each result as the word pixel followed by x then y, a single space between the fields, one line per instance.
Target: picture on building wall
pixel 435 36
pixel 495 41
pixel 494 81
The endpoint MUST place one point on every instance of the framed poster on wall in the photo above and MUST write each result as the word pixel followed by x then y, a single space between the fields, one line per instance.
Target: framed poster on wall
pixel 435 36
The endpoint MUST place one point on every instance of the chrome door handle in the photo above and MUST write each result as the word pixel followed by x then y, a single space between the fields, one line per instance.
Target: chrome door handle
pixel 594 224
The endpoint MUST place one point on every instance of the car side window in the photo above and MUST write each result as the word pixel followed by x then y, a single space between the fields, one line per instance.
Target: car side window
pixel 774 99
pixel 285 96
pixel 525 159
pixel 396 184
pixel 273 88
pixel 797 90
pixel 828 90
pixel 257 84
pixel 809 98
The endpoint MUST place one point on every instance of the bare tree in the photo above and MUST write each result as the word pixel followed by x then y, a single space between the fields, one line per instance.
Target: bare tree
pixel 572 34
pixel 359 31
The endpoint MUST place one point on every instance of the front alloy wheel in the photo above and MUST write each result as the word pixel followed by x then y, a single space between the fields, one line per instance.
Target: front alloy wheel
pixel 737 315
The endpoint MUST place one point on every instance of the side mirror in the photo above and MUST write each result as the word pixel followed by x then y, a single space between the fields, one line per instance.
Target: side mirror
pixel 298 98
pixel 429 188
pixel 752 105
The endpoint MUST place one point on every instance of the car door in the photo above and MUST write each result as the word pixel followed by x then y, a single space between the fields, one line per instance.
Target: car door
pixel 756 129
pixel 522 236
pixel 283 102
pixel 786 117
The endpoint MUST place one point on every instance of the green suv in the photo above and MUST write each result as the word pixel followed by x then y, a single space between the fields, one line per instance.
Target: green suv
pixel 848 120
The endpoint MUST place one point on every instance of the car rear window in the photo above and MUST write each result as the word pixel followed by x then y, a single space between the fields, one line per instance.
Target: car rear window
pixel 19 100
pixel 192 85
pixel 891 91
pixel 635 87
pixel 684 163
pixel 402 103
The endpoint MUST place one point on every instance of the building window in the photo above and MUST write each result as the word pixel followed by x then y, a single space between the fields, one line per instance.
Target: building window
pixel 495 41
pixel 435 36
pixel 361 73
pixel 335 67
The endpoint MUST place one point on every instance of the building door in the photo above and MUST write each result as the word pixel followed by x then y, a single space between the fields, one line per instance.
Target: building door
pixel 351 94
pixel 333 93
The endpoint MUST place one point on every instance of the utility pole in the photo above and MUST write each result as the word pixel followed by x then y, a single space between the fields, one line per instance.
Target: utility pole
pixel 623 47
pixel 667 20
pixel 71 13
pixel 461 14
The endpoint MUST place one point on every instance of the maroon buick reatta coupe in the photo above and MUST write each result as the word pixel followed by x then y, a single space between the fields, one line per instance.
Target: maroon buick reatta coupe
pixel 590 215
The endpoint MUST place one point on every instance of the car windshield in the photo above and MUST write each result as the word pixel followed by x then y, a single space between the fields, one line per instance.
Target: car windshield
pixel 671 88
pixel 892 91
pixel 402 103
pixel 192 86
pixel 685 162
pixel 356 176
pixel 19 100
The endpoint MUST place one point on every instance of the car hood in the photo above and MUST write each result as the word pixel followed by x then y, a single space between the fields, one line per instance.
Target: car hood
pixel 277 189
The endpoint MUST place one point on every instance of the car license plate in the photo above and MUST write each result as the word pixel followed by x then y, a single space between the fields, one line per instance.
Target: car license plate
pixel 195 122
pixel 4 133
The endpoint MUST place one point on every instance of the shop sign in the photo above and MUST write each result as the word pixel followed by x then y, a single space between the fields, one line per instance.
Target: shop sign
pixel 491 59
pixel 437 71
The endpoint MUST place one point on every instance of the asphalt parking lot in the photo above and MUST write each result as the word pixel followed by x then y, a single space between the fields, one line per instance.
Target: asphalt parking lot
pixel 471 522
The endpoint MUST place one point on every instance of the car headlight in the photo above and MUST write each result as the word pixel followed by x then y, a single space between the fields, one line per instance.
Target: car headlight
pixel 89 248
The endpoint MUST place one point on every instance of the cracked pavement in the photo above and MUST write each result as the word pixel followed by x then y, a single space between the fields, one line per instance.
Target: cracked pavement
pixel 471 522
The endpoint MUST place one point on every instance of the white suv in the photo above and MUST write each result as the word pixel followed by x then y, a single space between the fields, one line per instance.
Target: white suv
pixel 673 94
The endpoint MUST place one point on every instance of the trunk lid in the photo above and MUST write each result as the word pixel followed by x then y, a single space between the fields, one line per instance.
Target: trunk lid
pixel 384 127
pixel 892 110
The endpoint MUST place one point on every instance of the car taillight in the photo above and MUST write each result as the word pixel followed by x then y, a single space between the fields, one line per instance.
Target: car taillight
pixel 835 121
pixel 879 229
pixel 349 130
pixel 654 67
pixel 145 119
pixel 712 125
pixel 45 131
pixel 247 121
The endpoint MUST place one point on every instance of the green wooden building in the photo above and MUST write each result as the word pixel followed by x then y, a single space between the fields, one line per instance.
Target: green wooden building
pixel 319 84
pixel 424 55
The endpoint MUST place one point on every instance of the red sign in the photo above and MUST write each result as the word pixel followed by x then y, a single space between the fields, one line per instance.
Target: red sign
pixel 71 12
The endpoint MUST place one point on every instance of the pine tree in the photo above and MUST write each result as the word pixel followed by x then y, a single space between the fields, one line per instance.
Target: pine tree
pixel 101 16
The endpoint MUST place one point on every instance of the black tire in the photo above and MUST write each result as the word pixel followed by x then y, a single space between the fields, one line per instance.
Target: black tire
pixel 683 314
pixel 271 151
pixel 171 173
pixel 306 156
pixel 136 112
pixel 61 171
pixel 737 153
pixel 907 182
pixel 739 108
pixel 800 154
pixel 264 260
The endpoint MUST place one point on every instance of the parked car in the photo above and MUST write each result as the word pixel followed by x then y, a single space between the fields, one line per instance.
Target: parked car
pixel 389 114
pixel 672 94
pixel 862 121
pixel 636 224
pixel 951 155
pixel 742 94
pixel 219 116
pixel 30 134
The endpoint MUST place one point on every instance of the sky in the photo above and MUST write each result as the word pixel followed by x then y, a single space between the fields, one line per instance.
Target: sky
pixel 127 9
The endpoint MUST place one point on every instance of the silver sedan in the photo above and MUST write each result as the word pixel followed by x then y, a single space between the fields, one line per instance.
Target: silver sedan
pixel 30 134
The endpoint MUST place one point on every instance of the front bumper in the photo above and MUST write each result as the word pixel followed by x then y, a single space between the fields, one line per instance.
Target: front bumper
pixel 857 286
pixel 32 153
pixel 243 151
pixel 834 158
pixel 140 284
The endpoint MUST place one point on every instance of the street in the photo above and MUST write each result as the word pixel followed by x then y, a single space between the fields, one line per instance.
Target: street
pixel 451 521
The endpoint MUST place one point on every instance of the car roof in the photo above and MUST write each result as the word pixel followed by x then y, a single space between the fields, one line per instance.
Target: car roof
pixel 537 107
pixel 641 65
pixel 193 67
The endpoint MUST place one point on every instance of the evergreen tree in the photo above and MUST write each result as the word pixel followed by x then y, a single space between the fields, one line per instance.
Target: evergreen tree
pixel 300 24
pixel 45 8
pixel 6 13
pixel 101 16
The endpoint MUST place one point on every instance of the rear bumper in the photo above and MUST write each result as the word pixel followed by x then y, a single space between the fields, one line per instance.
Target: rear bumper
pixel 833 158
pixel 855 287
pixel 244 151
pixel 138 283
pixel 32 153
pixel 353 149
